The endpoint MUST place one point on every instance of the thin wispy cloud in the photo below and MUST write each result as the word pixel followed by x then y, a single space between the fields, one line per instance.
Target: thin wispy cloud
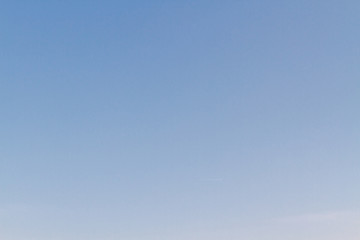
pixel 325 217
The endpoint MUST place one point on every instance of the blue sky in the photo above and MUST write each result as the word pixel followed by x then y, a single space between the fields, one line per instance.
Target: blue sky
pixel 179 120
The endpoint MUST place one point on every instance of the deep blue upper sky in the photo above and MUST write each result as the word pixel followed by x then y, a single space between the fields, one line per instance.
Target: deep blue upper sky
pixel 179 120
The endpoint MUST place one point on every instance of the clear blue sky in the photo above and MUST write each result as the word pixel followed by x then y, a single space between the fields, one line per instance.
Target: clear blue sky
pixel 180 120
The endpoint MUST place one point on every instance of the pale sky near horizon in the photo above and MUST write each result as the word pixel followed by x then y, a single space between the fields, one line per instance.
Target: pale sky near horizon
pixel 180 120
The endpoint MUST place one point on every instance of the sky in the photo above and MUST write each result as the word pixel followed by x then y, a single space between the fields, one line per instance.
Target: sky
pixel 174 120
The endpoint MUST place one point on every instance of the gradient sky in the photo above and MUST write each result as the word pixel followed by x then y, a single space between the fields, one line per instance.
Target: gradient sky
pixel 180 120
